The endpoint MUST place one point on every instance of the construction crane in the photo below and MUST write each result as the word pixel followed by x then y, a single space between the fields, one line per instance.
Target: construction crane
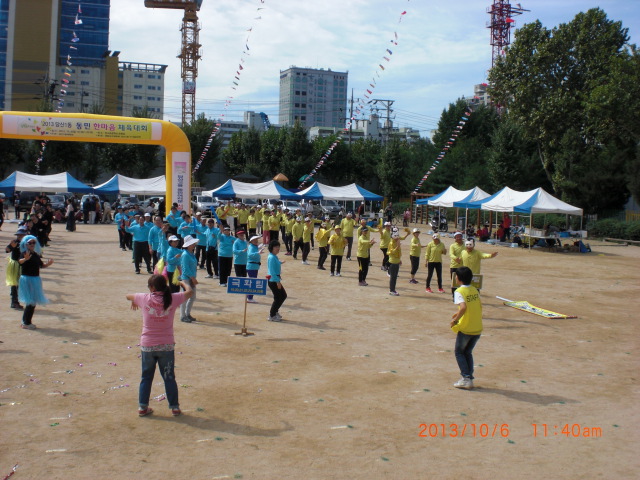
pixel 502 14
pixel 189 53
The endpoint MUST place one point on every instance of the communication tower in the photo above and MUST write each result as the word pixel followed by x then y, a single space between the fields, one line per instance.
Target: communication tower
pixel 189 53
pixel 502 21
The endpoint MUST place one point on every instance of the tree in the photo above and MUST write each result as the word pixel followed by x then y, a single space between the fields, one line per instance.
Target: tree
pixel 11 153
pixel 232 156
pixel 272 145
pixel 296 159
pixel 391 172
pixel 575 87
pixel 198 133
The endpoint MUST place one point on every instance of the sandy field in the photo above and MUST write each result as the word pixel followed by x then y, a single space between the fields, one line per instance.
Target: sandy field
pixel 355 384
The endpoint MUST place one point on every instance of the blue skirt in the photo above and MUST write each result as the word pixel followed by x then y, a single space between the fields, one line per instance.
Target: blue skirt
pixel 30 291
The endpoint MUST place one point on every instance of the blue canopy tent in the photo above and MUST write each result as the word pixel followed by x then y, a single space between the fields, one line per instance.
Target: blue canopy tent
pixel 264 190
pixel 447 197
pixel 352 192
pixel 25 182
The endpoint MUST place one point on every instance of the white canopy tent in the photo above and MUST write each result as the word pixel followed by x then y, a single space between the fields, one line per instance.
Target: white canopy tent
pixel 134 186
pixel 351 192
pixel 26 182
pixel 450 195
pixel 235 189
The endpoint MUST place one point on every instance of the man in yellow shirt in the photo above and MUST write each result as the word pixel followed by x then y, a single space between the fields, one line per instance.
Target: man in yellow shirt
pixel 433 257
pixel 414 254
pixel 307 233
pixel 347 225
pixel 364 245
pixel 455 255
pixel 471 257
pixel 223 213
pixel 337 243
pixel 242 214
pixel 274 226
pixel 385 239
pixel 467 323
pixel 288 221
pixel 297 229
pixel 323 241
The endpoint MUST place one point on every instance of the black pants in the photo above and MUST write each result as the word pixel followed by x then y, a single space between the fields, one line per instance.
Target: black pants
pixel 27 315
pixel 172 287
pixel 279 296
pixel 201 255
pixel 252 232
pixel 241 270
pixel 141 252
pixel 452 272
pixel 128 240
pixel 225 268
pixel 14 295
pixel 306 248
pixel 349 245
pixel 154 259
pixel 212 260
pixel 121 237
pixel 394 268
pixel 274 235
pixel 385 258
pixel 288 242
pixel 298 244
pixel 336 263
pixel 415 263
pixel 323 252
pixel 363 268
pixel 437 266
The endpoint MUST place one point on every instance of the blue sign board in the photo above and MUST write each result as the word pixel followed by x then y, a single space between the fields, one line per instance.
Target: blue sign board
pixel 247 286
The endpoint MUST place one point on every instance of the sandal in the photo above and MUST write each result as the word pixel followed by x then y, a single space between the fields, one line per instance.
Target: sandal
pixel 176 412
pixel 143 412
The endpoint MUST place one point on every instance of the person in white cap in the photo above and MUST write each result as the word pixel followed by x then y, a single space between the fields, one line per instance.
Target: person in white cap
pixel 385 239
pixel 415 250
pixel 297 230
pixel 253 260
pixel 323 241
pixel 337 243
pixel 433 261
pixel 172 256
pixel 189 267
pixel 471 257
pixel 364 245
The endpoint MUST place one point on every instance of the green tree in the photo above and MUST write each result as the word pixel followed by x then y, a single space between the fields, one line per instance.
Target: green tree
pixel 272 145
pixel 198 133
pixel 297 155
pixel 575 87
pixel 11 153
pixel 391 172
pixel 365 156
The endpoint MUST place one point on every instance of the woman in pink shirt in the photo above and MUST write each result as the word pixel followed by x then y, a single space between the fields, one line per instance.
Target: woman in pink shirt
pixel 157 342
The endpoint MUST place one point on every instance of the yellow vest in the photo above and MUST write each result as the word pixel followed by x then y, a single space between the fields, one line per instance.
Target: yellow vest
pixel 471 322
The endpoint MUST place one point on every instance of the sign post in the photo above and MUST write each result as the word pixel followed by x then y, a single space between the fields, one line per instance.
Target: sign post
pixel 246 286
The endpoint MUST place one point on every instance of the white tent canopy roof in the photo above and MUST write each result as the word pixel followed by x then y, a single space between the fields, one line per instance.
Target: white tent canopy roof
pixel 135 186
pixel 451 194
pixel 235 189
pixel 532 201
pixel 26 182
pixel 351 192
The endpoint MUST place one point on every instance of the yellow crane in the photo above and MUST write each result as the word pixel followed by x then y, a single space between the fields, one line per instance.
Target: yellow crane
pixel 189 52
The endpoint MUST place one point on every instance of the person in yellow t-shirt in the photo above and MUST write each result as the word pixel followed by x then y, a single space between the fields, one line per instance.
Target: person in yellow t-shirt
pixel 323 241
pixel 266 216
pixel 307 233
pixel 471 257
pixel 395 260
pixel 252 223
pixel 347 225
pixel 433 261
pixel 274 226
pixel 223 213
pixel 337 243
pixel 467 323
pixel 455 254
pixel 288 221
pixel 385 240
pixel 259 211
pixel 364 245
pixel 414 254
pixel 242 214
pixel 297 229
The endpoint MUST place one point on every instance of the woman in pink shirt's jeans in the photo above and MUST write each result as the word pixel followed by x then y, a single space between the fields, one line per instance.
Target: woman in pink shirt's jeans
pixel 157 342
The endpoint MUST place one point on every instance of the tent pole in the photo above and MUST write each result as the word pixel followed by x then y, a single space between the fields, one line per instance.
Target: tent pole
pixel 530 230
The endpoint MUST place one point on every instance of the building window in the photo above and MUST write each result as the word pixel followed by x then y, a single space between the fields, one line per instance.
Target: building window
pixel 70 94
pixel 151 87
pixel 84 82
pixel 151 76
pixel 303 105
pixel 304 94
pixel 303 117
pixel 85 72
pixel 297 92
pixel 137 87
pixel 297 105
pixel 137 75
pixel 137 97
pixel 70 104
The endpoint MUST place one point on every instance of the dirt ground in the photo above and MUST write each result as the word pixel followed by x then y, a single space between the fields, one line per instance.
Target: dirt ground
pixel 341 388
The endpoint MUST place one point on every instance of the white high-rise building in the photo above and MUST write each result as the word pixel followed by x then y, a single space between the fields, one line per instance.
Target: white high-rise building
pixel 314 97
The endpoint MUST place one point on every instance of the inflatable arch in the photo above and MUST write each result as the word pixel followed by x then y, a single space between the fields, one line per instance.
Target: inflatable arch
pixel 84 127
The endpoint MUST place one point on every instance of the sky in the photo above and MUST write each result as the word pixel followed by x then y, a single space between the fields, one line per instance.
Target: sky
pixel 442 48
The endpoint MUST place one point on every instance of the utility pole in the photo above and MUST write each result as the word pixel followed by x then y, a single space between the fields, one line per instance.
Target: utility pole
pixel 387 104
pixel 350 118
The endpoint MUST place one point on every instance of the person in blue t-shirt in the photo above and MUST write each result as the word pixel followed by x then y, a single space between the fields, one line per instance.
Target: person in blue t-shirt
pixel 140 232
pixel 274 267
pixel 225 254
pixel 240 247
pixel 212 235
pixel 189 266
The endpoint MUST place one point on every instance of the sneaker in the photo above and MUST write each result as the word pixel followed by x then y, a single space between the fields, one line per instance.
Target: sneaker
pixel 365 284
pixel 304 262
pixel 17 306
pixel 428 290
pixel 186 320
pixel 215 277
pixel 440 290
pixel 251 300
pixel 288 253
pixel 150 272
pixel 193 319
pixel 176 412
pixel 137 272
pixel 464 383
pixel 31 326
pixel 361 284
pixel 338 274
pixel 278 316
pixel 321 268
pixel 388 275
pixel 223 284
pixel 209 276
pixel 349 258
pixel 143 412
pixel 274 319
pixel 413 280
pixel 331 275
pixel 394 293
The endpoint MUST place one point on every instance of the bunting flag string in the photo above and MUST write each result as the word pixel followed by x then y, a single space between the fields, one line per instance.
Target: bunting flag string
pixel 64 82
pixel 235 85
pixel 448 146
pixel 359 108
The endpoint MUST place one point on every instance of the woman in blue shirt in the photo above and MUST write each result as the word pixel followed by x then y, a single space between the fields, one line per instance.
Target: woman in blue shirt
pixel 275 283
pixel 240 247
pixel 172 260
pixel 253 260
pixel 225 254
pixel 189 266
